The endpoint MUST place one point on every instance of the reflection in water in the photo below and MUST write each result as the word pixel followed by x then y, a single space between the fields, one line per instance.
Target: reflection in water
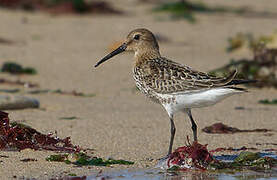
pixel 158 174
pixel 155 174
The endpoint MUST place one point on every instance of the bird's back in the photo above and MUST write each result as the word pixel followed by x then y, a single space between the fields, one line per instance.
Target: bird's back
pixel 164 76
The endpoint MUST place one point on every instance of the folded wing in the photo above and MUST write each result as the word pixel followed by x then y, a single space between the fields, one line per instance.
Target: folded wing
pixel 165 76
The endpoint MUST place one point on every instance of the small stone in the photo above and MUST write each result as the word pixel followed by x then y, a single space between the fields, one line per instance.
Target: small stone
pixel 264 72
pixel 8 102
pixel 72 157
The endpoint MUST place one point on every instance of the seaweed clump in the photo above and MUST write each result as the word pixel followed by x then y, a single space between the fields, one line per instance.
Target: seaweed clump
pixel 249 41
pixel 262 67
pixel 16 136
pixel 15 68
pixel 61 6
pixel 82 159
pixel 268 102
pixel 246 161
pixel 195 156
pixel 187 9
pixel 219 128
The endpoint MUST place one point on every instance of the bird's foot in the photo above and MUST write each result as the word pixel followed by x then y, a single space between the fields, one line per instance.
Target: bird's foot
pixel 164 157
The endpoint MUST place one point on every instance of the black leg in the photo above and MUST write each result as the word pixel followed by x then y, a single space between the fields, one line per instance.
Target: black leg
pixel 172 130
pixel 194 126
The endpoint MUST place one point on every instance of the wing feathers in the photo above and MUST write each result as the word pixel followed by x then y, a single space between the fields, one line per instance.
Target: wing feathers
pixel 165 76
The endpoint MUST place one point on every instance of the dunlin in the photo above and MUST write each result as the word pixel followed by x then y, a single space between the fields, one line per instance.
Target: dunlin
pixel 175 86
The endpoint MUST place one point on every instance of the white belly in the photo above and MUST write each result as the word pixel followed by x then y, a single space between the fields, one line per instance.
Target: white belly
pixel 198 99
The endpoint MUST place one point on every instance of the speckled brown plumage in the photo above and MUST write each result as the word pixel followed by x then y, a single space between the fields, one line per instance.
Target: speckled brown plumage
pixel 164 76
pixel 177 87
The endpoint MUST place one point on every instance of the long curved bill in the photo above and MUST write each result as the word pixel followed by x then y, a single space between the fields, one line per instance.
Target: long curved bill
pixel 120 49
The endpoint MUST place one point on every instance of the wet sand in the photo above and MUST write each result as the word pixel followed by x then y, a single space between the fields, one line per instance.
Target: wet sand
pixel 119 122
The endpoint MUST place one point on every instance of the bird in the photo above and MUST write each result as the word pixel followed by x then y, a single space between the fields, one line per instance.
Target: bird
pixel 177 87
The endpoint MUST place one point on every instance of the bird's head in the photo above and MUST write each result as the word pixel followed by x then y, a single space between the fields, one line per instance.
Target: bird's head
pixel 140 41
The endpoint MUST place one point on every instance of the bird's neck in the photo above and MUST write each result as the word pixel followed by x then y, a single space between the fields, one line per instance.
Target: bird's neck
pixel 142 56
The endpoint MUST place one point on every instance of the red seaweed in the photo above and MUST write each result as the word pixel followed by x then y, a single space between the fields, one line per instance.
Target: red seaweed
pixel 18 136
pixel 194 156
pixel 220 128
pixel 197 157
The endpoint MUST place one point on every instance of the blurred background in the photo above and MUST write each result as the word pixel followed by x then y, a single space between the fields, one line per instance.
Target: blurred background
pixel 48 49
pixel 61 34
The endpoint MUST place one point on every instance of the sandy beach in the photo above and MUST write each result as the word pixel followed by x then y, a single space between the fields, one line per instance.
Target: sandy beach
pixel 119 122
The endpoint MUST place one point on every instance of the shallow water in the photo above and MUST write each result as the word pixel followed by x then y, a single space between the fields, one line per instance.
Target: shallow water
pixel 158 174
pixel 155 174
pixel 229 158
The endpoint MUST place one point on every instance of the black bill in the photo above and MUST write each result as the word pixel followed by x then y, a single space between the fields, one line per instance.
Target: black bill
pixel 120 49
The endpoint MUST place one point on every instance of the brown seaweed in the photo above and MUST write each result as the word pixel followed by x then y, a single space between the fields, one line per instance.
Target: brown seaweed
pixel 19 83
pixel 28 160
pixel 221 149
pixel 6 41
pixel 220 128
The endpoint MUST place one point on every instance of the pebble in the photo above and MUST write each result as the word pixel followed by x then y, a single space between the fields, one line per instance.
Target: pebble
pixel 9 102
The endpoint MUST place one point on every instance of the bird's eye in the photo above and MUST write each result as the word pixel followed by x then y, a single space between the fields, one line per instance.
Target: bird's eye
pixel 136 37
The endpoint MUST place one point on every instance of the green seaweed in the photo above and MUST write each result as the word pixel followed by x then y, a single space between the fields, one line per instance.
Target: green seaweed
pixel 54 2
pixel 20 125
pixel 246 69
pixel 80 6
pixel 15 68
pixel 82 159
pixel 248 39
pixel 72 174
pixel 57 157
pixel 249 69
pixel 268 102
pixel 173 168
pixel 86 95
pixel 186 9
pixel 245 160
pixel 68 118
pixel 29 70
pixel 246 157
pixel 180 9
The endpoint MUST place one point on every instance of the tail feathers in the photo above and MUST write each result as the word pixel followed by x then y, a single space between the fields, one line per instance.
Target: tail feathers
pixel 230 77
pixel 240 81
pixel 238 89
pixel 231 81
